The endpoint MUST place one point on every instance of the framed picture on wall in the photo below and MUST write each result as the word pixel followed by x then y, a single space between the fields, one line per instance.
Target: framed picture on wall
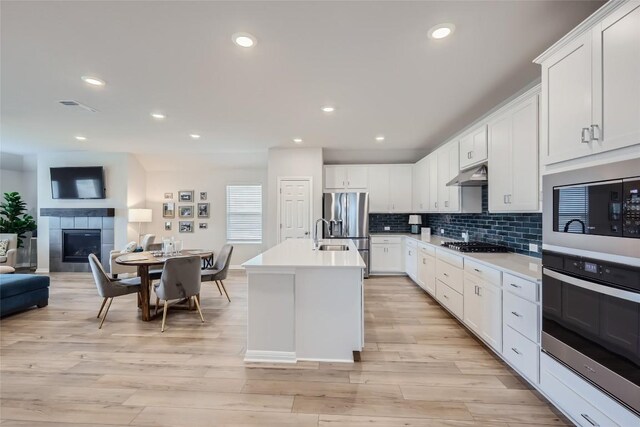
pixel 167 225
pixel 203 225
pixel 203 195
pixel 185 195
pixel 203 210
pixel 185 226
pixel 185 211
pixel 168 210
pixel 168 196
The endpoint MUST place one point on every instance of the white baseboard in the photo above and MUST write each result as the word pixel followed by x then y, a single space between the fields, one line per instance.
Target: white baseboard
pixel 270 356
pixel 42 271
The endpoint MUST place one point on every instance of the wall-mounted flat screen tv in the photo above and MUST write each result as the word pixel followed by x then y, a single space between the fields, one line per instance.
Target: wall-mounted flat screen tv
pixel 78 183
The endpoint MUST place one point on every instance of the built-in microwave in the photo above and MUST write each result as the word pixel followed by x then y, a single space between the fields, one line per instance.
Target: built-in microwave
pixel 602 208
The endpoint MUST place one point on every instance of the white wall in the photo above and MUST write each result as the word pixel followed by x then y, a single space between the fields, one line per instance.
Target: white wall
pixel 292 162
pixel 117 169
pixel 136 193
pixel 214 182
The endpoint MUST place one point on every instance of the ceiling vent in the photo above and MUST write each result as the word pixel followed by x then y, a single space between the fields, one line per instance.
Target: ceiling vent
pixel 72 103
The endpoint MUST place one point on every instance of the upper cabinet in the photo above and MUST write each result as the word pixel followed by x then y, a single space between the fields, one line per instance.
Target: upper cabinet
pixel 473 147
pixel 390 188
pixel 513 158
pixel 346 178
pixel 591 87
pixel 421 185
pixel 443 167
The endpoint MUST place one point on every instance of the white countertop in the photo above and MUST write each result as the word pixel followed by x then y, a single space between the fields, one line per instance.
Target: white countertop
pixel 300 253
pixel 524 266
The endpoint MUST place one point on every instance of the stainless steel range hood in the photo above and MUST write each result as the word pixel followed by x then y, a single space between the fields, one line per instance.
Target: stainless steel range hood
pixel 473 177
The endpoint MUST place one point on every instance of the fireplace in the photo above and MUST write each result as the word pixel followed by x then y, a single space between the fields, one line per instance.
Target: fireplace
pixel 78 244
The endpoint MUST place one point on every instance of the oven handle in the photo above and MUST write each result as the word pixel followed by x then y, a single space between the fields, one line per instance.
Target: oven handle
pixel 607 290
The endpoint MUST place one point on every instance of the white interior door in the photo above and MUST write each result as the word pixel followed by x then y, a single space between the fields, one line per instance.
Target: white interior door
pixel 295 206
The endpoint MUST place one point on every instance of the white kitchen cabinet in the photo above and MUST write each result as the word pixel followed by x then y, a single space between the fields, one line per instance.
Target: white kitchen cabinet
pixel 433 181
pixel 390 188
pixel 386 255
pixel 421 185
pixel 513 158
pixel 427 269
pixel 473 147
pixel 482 309
pixel 591 87
pixel 346 178
pixel 448 196
pixel 411 259
pixel 616 77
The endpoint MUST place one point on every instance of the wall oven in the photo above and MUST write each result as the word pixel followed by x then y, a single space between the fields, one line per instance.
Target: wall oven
pixel 591 276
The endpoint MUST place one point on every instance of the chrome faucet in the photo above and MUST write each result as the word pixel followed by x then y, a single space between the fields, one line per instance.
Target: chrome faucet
pixel 316 243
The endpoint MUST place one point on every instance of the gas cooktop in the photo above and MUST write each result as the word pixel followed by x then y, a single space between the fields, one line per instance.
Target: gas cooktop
pixel 474 247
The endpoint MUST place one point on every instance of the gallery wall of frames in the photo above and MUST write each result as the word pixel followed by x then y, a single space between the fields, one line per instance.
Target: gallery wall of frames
pixel 191 209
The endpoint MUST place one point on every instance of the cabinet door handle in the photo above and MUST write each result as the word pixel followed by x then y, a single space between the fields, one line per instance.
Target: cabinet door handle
pixel 479 271
pixel 475 289
pixel 436 204
pixel 509 198
pixel 583 139
pixel 424 261
pixel 445 296
pixel 445 274
pixel 516 314
pixel 348 183
pixel 409 253
pixel 515 350
pixel 593 132
pixel 589 420
pixel 515 286
pixel 446 204
pixel 471 154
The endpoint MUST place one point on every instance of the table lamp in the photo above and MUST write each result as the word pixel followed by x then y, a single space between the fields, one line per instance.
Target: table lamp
pixel 415 221
pixel 139 216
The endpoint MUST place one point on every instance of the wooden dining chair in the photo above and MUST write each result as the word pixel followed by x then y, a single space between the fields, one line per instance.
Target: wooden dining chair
pixel 180 279
pixel 109 288
pixel 218 273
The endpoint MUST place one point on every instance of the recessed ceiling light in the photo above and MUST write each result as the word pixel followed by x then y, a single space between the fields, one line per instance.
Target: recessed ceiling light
pixel 380 138
pixel 328 109
pixel 94 81
pixel 194 136
pixel 441 31
pixel 244 39
pixel 297 140
pixel 81 138
pixel 158 116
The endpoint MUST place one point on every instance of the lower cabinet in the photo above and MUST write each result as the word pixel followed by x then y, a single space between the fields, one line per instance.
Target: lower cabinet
pixel 411 259
pixel 427 270
pixel 483 310
pixel 522 353
pixel 386 255
pixel 451 299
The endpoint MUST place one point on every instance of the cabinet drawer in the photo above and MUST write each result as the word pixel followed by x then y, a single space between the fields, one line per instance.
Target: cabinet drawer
pixel 386 239
pixel 485 273
pixel 410 242
pixel 521 315
pixel 521 287
pixel 450 275
pixel 521 353
pixel 427 249
pixel 449 258
pixel 450 299
pixel 582 412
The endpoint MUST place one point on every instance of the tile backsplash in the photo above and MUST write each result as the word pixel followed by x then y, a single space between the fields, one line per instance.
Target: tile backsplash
pixel 514 230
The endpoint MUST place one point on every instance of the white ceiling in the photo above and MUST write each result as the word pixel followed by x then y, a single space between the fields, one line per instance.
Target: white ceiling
pixel 372 60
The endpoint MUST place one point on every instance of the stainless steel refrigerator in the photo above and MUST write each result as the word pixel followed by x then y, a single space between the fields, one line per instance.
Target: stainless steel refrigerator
pixel 348 216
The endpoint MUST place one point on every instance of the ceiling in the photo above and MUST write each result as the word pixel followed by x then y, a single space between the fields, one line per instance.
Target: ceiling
pixel 373 61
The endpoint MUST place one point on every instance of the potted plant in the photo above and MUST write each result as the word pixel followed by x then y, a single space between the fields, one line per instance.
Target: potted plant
pixel 13 217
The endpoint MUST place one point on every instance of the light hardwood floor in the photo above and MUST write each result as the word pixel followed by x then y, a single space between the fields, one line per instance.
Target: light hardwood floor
pixel 420 368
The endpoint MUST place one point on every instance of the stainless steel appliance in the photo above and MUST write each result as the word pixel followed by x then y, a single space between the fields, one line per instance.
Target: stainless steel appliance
pixel 347 215
pixel 591 321
pixel 474 247
pixel 591 275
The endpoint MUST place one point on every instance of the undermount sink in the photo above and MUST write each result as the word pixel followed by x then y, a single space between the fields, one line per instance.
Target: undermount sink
pixel 333 248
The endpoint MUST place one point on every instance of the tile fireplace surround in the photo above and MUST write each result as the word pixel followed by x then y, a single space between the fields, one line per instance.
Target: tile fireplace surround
pixel 74 219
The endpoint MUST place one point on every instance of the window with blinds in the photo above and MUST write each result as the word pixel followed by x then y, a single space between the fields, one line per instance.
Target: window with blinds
pixel 244 213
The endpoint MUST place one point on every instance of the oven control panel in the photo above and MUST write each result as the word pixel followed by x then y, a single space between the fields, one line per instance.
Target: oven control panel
pixel 631 208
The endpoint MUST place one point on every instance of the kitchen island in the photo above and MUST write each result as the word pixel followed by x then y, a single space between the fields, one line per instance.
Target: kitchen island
pixel 305 303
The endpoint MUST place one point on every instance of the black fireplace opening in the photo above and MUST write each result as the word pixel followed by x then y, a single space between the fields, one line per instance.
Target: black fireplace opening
pixel 78 244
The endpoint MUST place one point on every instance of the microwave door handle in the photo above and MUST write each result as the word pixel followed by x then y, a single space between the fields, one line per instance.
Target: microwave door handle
pixel 591 286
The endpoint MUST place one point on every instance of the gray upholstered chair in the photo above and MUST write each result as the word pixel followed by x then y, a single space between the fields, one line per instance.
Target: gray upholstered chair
pixel 218 272
pixel 180 279
pixel 9 259
pixel 115 268
pixel 109 288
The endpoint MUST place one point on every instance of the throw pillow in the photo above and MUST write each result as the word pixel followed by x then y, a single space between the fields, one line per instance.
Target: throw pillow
pixel 129 248
pixel 4 247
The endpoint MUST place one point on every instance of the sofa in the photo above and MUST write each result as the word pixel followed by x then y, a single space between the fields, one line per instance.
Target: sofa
pixel 21 291
pixel 115 268
pixel 9 259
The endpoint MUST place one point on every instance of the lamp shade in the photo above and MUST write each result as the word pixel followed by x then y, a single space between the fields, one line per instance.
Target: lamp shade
pixel 415 220
pixel 140 215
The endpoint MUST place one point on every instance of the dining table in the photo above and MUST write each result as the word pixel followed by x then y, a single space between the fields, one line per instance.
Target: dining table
pixel 145 260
